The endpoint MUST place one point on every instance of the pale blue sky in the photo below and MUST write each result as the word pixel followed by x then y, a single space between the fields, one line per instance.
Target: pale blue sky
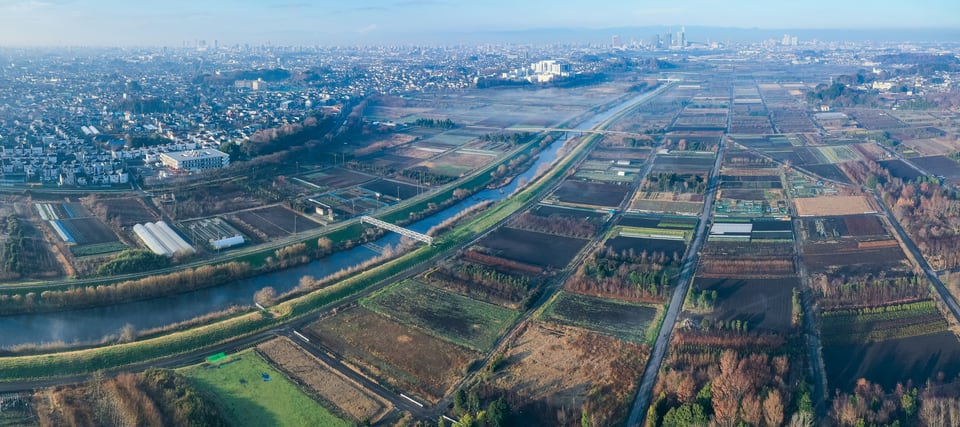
pixel 171 22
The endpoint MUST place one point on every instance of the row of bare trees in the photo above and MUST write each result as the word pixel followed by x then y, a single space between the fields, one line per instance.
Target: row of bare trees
pixel 581 228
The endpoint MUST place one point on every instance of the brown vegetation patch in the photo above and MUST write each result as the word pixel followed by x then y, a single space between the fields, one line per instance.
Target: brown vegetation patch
pixel 833 205
pixel 553 370
pixel 746 268
pixel 306 369
pixel 418 362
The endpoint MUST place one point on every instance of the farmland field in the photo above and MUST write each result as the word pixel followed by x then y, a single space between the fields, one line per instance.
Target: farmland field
pixel 276 221
pixel 916 358
pixel 553 369
pixel 832 205
pixel 393 189
pixel 338 178
pixel 548 211
pixel 762 303
pixel 591 193
pixel 348 397
pixel 900 169
pixel 627 321
pixel 683 163
pixel 462 320
pixel 640 244
pixel 248 400
pixel 126 211
pixel 939 166
pixel 401 355
pixel 854 257
pixel 530 247
pixel 88 231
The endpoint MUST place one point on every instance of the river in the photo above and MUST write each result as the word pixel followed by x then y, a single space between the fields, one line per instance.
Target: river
pixel 91 325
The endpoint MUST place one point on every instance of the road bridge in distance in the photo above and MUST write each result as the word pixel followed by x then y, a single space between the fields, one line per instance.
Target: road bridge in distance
pixel 397 229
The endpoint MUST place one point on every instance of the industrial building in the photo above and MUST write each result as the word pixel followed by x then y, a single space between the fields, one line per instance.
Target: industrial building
pixel 195 160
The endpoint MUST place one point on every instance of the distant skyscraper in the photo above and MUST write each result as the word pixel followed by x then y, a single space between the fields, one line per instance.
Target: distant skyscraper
pixel 616 42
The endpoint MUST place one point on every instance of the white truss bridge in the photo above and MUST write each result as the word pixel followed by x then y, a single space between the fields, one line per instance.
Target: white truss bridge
pixel 397 229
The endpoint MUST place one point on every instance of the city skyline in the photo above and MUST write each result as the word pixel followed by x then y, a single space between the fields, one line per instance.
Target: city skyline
pixel 105 23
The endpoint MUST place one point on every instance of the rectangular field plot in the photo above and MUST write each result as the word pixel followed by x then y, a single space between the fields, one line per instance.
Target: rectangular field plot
pixel 555 367
pixel 657 221
pixel 761 303
pixel 637 245
pixel 87 231
pixel 624 320
pixel 240 388
pixel 591 193
pixel 348 397
pixel 569 212
pixel 837 227
pixel 827 171
pixel 338 178
pixel 939 166
pixel 464 321
pixel 683 163
pixel 530 247
pixel 852 257
pixel 392 189
pixel 887 363
pixel 401 355
pixel 900 169
pixel 833 205
pixel 126 211
pixel 276 221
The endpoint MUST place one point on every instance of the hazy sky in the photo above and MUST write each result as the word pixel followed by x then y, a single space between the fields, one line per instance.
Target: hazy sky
pixel 172 22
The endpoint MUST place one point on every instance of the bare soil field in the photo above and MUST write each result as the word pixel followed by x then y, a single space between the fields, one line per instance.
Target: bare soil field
pixel 828 171
pixel 87 231
pixel 762 303
pixel 403 356
pixel 310 372
pixel 338 178
pixel 276 221
pixel 683 164
pixel 545 250
pixel 833 205
pixel 591 193
pixel 125 211
pixel 852 259
pixel 888 362
pixel 394 189
pixel 938 165
pixel 900 169
pixel 838 227
pixel 552 368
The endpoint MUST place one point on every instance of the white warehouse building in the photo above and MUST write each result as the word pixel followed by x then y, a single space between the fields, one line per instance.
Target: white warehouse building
pixel 161 239
pixel 194 160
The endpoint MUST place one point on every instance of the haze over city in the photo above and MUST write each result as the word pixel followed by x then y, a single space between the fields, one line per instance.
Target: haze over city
pixel 124 23
pixel 433 213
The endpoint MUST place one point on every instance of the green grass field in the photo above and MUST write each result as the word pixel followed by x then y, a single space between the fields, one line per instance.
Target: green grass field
pixel 256 402
pixel 473 324
pixel 628 321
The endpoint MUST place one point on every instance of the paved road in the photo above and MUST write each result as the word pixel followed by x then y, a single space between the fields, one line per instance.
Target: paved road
pixel 945 295
pixel 642 401
pixel 814 348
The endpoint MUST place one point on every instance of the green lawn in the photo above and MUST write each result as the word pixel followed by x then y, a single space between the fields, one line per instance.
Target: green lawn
pixel 256 402
pixel 473 324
